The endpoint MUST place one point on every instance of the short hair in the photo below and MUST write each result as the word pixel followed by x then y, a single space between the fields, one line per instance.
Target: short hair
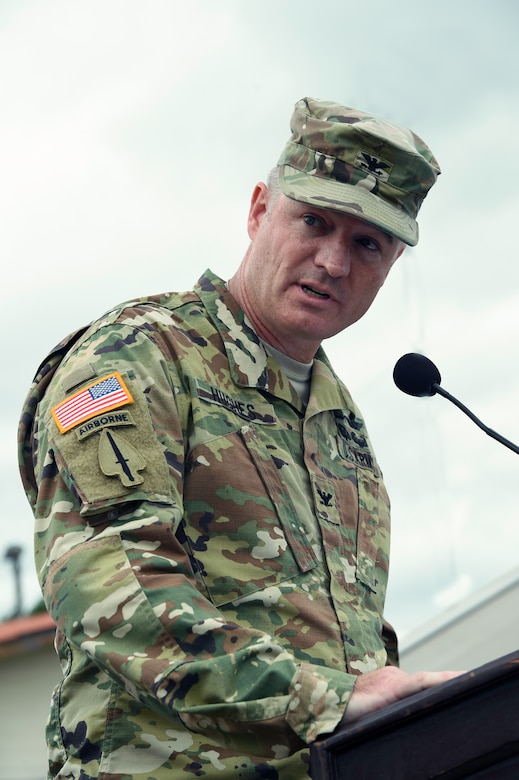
pixel 273 188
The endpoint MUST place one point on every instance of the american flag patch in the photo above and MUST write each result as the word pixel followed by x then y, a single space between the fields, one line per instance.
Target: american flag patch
pixel 104 394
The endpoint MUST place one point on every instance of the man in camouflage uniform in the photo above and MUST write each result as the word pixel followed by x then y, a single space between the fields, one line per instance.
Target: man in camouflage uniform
pixel 212 528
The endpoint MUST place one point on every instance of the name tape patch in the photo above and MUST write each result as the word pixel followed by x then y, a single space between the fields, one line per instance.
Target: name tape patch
pixel 254 412
pixel 101 396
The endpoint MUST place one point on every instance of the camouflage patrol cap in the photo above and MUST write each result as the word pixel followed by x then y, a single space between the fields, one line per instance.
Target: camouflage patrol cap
pixel 343 159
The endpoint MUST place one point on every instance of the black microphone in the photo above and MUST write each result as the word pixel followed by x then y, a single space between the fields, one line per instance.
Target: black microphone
pixel 416 375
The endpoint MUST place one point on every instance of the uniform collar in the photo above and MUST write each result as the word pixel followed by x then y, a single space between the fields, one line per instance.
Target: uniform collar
pixel 246 355
pixel 249 363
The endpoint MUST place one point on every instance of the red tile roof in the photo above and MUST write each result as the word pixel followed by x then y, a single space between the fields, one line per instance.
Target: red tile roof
pixel 26 633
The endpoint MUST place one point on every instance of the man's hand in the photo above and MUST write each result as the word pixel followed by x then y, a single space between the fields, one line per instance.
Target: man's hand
pixel 384 686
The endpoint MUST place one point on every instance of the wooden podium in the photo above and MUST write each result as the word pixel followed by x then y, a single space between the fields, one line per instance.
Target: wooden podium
pixel 467 727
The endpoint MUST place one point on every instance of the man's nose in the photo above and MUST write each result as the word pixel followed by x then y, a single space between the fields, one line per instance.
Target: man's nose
pixel 335 258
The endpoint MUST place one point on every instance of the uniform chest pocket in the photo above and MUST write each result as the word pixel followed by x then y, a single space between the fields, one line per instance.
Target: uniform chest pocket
pixel 354 515
pixel 242 530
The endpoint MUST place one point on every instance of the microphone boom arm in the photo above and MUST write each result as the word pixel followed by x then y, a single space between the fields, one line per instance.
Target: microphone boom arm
pixel 497 436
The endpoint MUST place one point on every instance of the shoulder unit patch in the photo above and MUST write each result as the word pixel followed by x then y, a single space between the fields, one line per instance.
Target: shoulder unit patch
pixel 107 393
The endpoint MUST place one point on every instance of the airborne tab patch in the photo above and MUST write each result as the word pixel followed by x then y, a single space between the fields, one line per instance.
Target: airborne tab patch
pixel 107 393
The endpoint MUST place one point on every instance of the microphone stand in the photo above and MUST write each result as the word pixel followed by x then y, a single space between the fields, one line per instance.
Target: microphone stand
pixel 497 436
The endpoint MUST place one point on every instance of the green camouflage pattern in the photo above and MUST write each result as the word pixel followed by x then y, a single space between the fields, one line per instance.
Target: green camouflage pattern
pixel 218 595
pixel 345 159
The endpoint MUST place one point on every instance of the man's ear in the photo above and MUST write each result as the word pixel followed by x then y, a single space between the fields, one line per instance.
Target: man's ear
pixel 257 208
pixel 399 253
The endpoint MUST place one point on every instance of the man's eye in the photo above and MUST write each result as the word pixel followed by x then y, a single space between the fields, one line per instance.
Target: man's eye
pixel 312 221
pixel 369 243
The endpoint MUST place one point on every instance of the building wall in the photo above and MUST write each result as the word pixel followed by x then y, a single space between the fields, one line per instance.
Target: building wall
pixel 26 683
pixel 478 630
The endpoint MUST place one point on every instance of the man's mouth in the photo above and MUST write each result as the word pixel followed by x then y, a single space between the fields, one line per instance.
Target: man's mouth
pixel 313 292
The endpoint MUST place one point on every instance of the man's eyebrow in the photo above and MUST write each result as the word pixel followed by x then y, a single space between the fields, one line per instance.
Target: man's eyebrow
pixel 388 236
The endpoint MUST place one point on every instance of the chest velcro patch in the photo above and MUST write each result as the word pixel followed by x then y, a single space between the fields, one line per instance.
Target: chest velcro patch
pixel 262 413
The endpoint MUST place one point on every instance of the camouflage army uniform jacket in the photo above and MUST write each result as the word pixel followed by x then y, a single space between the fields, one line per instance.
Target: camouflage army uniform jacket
pixel 214 554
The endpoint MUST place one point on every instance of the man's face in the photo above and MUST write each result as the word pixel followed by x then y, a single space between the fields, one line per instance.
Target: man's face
pixel 309 272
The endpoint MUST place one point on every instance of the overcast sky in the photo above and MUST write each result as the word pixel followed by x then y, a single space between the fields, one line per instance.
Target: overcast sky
pixel 132 134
